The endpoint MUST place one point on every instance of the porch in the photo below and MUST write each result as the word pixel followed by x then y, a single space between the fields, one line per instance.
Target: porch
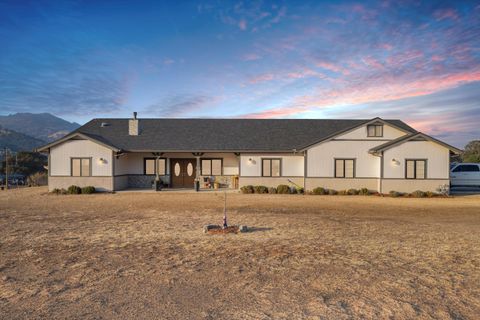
pixel 139 170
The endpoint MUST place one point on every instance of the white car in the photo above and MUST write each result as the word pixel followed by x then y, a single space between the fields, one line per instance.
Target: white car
pixel 465 174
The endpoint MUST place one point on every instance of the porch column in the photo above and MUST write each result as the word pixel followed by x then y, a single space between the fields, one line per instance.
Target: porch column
pixel 197 156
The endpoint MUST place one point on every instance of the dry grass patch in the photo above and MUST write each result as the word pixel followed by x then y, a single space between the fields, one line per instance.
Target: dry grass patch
pixel 145 256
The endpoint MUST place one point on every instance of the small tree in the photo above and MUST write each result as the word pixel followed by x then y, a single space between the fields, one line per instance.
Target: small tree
pixel 472 152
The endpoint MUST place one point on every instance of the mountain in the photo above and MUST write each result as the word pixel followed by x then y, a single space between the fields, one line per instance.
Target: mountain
pixel 16 141
pixel 43 126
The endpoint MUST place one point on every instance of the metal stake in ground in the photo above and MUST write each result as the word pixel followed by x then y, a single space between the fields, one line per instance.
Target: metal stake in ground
pixel 225 211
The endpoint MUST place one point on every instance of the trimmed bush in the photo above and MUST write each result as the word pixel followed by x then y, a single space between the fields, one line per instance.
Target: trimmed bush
pixel 431 194
pixel 283 189
pixel 74 190
pixel 364 192
pixel 88 190
pixel 342 192
pixel 352 192
pixel 395 194
pixel 260 189
pixel 56 191
pixel 247 189
pixel 418 194
pixel 332 192
pixel 319 191
pixel 272 190
pixel 299 190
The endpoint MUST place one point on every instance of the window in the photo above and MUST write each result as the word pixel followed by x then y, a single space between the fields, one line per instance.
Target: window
pixel 81 167
pixel 416 169
pixel 271 167
pixel 344 168
pixel 467 168
pixel 375 130
pixel 150 168
pixel 211 167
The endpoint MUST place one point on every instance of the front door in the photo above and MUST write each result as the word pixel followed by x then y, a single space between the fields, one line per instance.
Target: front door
pixel 183 173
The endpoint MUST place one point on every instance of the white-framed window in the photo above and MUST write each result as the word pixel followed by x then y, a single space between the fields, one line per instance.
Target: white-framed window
pixel 211 167
pixel 415 169
pixel 375 130
pixel 81 167
pixel 344 168
pixel 271 167
pixel 151 165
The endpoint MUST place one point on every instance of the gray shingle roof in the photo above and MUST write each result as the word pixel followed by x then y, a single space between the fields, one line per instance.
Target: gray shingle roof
pixel 220 134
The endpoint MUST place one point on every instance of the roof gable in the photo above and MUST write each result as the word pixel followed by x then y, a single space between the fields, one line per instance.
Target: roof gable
pixel 419 136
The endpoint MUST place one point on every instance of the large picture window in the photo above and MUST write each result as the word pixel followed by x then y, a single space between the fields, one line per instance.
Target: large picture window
pixel 211 167
pixel 81 167
pixel 271 167
pixel 151 165
pixel 375 130
pixel 416 169
pixel 344 168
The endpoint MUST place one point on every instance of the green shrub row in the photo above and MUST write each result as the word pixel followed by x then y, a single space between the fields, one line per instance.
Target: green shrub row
pixel 75 190
pixel 324 191
pixel 285 189
pixel 281 189
pixel 414 194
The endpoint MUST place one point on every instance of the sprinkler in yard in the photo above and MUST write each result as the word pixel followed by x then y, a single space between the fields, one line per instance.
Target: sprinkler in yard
pixel 225 211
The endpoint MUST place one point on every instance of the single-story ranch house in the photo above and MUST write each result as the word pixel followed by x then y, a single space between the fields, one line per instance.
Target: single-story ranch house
pixel 381 155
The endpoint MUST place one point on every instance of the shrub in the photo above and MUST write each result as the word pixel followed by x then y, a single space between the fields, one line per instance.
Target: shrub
pixel 56 191
pixel 299 190
pixel 38 179
pixel 247 189
pixel 352 192
pixel 418 194
pixel 272 190
pixel 364 192
pixel 319 191
pixel 88 190
pixel 431 194
pixel 395 194
pixel 342 192
pixel 260 189
pixel 74 190
pixel 283 189
pixel 332 192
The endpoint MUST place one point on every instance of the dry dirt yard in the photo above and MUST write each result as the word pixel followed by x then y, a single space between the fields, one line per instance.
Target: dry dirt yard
pixel 144 256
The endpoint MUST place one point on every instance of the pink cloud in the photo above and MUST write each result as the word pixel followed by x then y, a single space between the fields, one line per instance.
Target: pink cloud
pixel 332 67
pixel 442 14
pixel 262 78
pixel 251 57
pixel 242 24
pixel 361 92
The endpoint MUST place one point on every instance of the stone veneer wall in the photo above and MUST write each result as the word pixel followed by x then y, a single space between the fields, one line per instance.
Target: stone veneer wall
pixel 141 181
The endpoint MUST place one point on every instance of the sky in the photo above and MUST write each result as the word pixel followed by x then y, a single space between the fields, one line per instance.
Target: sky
pixel 418 61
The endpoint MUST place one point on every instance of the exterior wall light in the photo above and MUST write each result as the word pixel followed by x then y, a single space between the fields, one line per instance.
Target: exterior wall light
pixel 395 162
pixel 102 161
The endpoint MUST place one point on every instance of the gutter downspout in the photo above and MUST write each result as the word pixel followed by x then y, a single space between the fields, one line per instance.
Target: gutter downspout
pixel 380 181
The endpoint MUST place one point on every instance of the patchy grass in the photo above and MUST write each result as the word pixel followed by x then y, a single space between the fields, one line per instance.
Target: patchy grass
pixel 145 256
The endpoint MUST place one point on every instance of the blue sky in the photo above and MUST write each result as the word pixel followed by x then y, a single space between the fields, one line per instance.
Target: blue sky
pixel 413 60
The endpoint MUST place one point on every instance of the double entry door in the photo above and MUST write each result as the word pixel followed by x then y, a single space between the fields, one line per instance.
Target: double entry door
pixel 183 172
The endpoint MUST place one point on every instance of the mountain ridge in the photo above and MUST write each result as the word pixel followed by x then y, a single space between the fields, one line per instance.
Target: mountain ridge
pixel 41 126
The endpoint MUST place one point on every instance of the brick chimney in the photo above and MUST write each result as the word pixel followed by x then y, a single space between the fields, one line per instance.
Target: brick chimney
pixel 133 125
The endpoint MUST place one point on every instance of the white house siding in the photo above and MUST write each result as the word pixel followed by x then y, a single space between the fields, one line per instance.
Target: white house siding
pixel 61 154
pixel 438 163
pixel 321 158
pixel 292 167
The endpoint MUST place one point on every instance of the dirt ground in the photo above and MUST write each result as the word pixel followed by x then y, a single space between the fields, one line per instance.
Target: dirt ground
pixel 144 256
